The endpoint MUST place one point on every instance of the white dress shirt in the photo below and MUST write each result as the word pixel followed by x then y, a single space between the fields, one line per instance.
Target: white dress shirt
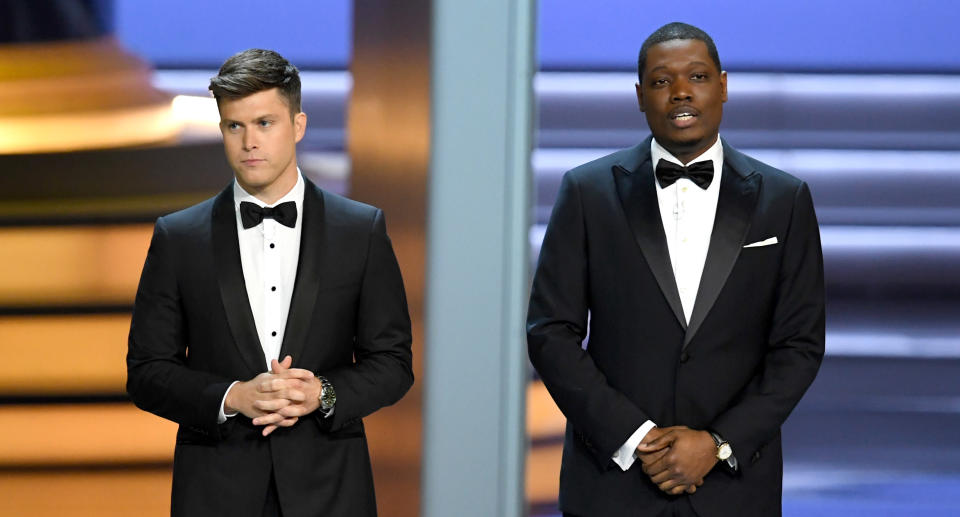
pixel 269 253
pixel 687 212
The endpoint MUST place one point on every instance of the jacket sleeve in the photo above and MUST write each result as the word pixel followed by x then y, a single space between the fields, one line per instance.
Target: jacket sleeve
pixel 557 325
pixel 382 370
pixel 158 379
pixel 796 340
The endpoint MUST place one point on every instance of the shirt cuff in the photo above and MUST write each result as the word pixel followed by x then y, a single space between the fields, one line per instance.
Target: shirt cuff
pixel 626 454
pixel 223 416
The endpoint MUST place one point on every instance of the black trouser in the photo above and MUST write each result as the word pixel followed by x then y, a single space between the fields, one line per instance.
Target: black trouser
pixel 271 506
pixel 679 508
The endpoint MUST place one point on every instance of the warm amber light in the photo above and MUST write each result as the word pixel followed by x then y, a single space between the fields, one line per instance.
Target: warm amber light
pixel 82 434
pixel 91 493
pixel 544 421
pixel 72 265
pixel 73 95
pixel 63 354
pixel 87 130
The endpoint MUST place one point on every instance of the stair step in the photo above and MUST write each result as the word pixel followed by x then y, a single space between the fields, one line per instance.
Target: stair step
pixel 64 355
pixel 58 435
pixel 48 266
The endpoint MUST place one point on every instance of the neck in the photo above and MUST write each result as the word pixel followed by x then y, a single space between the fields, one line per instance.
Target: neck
pixel 686 154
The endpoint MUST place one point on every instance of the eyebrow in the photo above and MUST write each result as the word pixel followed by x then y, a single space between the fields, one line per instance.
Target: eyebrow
pixel 690 64
pixel 257 119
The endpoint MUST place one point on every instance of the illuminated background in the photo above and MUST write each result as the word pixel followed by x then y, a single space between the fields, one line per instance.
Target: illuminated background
pixel 861 99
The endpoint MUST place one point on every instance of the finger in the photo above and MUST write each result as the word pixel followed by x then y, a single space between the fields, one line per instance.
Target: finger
pixel 271 405
pixel 668 485
pixel 293 410
pixel 275 366
pixel 661 465
pixel 271 385
pixel 287 362
pixel 280 383
pixel 677 490
pixel 287 422
pixel 296 373
pixel 649 458
pixel 653 446
pixel 268 419
pixel 295 395
pixel 666 438
pixel 663 476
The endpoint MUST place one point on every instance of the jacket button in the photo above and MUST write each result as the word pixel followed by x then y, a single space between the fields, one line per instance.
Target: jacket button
pixel 684 357
pixel 756 456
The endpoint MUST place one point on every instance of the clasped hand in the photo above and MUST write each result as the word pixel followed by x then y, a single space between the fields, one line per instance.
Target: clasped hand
pixel 277 398
pixel 677 458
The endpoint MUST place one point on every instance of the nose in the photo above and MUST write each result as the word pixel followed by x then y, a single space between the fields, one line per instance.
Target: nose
pixel 680 91
pixel 249 141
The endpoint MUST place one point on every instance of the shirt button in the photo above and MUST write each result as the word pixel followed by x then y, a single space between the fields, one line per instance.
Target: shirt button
pixel 684 240
pixel 274 333
pixel 684 189
pixel 272 245
pixel 684 357
pixel 616 454
pixel 274 288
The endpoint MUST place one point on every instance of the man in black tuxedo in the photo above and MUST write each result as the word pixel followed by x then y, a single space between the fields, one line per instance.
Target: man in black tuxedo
pixel 271 267
pixel 699 273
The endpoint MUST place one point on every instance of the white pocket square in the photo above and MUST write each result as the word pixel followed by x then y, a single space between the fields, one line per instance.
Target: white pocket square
pixel 765 242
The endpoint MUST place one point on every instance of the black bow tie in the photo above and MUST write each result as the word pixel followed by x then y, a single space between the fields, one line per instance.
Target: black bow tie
pixel 251 214
pixel 700 173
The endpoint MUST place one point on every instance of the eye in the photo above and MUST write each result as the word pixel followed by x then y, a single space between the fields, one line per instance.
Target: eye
pixel 233 126
pixel 699 76
pixel 660 82
pixel 266 123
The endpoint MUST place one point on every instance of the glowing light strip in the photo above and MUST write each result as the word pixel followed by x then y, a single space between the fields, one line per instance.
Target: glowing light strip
pixel 906 85
pixel 87 130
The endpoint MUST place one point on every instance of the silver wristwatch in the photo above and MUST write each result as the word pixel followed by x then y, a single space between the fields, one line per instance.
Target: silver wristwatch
pixel 328 397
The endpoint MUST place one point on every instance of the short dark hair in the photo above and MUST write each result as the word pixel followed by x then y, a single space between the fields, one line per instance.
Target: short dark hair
pixel 255 70
pixel 672 31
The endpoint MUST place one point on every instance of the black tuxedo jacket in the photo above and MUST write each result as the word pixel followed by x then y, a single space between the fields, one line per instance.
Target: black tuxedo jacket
pixel 753 345
pixel 193 333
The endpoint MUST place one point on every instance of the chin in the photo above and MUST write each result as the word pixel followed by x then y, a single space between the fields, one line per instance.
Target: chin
pixel 689 140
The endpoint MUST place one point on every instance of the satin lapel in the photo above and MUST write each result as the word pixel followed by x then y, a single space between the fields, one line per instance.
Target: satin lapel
pixel 233 289
pixel 313 260
pixel 739 190
pixel 637 191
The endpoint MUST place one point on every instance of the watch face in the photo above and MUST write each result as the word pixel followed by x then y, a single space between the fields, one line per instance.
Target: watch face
pixel 724 452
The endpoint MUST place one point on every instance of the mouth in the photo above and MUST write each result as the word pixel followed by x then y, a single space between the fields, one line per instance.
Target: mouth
pixel 683 117
pixel 251 161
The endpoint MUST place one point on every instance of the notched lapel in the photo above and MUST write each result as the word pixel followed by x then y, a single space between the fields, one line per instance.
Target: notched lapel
pixel 636 189
pixel 233 289
pixel 735 206
pixel 313 260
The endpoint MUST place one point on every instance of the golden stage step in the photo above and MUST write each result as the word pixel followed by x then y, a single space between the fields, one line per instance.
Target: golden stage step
pixel 83 434
pixel 63 355
pixel 71 265
pixel 80 493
